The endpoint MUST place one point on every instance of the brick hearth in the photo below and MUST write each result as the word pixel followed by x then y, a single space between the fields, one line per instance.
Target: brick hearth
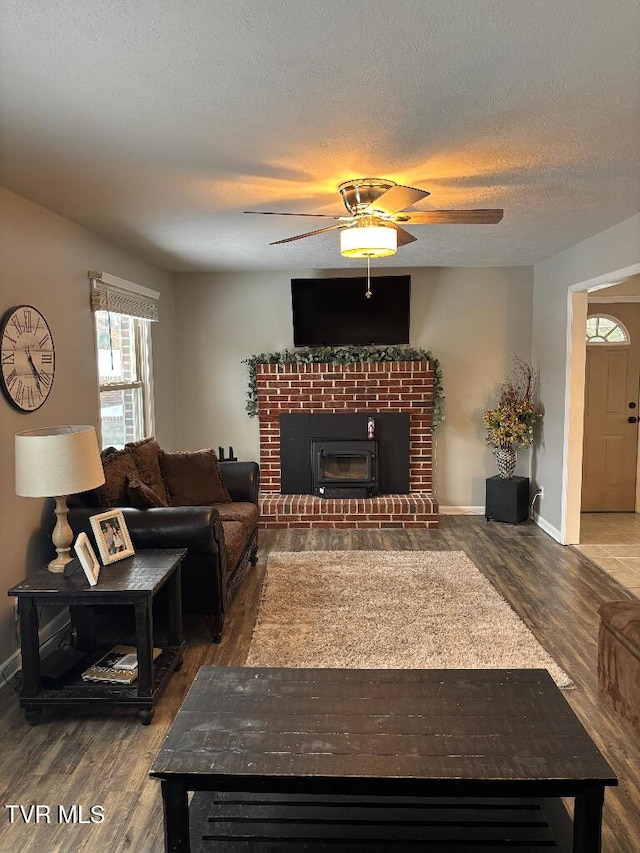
pixel 415 510
pixel 399 386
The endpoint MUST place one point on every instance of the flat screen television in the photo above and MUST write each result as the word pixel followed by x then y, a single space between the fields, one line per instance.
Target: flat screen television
pixel 335 311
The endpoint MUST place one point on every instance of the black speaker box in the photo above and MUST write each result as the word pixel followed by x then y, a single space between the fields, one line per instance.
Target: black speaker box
pixel 507 500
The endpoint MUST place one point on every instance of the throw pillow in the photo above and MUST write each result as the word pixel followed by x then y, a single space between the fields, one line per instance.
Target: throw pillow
pixel 141 496
pixel 193 478
pixel 146 455
pixel 118 468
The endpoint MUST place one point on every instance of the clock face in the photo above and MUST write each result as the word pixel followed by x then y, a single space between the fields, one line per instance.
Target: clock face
pixel 28 358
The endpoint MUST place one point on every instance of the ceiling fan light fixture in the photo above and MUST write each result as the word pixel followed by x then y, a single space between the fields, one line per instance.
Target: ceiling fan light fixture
pixel 368 241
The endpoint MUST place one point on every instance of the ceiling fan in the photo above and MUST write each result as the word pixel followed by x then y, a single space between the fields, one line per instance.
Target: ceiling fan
pixel 377 210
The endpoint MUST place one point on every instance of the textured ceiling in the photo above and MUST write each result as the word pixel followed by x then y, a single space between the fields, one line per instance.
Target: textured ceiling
pixel 155 123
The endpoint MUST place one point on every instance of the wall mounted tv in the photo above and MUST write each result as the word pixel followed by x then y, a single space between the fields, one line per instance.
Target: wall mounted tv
pixel 335 311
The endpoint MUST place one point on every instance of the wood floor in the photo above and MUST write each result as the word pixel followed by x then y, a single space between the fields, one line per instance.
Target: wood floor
pixel 104 760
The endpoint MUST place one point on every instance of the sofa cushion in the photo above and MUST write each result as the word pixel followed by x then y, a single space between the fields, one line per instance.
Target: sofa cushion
pixel 141 496
pixel 245 513
pixel 235 540
pixel 118 468
pixel 146 455
pixel 192 478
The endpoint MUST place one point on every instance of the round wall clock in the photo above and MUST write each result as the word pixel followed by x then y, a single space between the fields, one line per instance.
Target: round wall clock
pixel 28 358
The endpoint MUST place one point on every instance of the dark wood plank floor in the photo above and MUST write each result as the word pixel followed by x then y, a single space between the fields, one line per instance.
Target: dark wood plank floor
pixel 104 760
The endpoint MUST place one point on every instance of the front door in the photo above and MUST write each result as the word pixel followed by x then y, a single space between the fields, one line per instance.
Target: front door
pixel 610 429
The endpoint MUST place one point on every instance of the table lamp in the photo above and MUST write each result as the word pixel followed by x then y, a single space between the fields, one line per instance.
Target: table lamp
pixel 56 462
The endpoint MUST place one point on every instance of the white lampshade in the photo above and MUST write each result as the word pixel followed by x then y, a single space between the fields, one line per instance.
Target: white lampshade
pixel 61 460
pixel 55 462
pixel 368 241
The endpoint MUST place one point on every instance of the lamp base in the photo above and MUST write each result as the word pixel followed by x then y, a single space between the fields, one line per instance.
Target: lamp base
pixel 59 563
pixel 62 537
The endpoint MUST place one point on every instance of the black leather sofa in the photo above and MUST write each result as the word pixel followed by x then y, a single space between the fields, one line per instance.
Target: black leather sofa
pixel 221 541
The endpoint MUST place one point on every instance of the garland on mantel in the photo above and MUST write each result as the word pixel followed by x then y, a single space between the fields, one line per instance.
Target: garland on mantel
pixel 346 355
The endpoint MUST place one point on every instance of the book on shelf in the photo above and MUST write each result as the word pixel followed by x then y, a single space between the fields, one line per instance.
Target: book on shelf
pixel 118 666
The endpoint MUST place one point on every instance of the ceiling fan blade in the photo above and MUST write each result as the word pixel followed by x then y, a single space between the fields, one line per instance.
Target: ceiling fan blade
pixel 280 213
pixel 450 217
pixel 308 234
pixel 397 198
pixel 404 238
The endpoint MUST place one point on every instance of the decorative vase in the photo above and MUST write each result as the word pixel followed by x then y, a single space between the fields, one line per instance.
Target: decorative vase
pixel 506 458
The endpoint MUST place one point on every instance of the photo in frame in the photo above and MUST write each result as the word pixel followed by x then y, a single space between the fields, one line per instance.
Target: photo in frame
pixel 112 536
pixel 87 557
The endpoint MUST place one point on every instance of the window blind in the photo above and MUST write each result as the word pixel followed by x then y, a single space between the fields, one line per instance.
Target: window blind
pixel 110 293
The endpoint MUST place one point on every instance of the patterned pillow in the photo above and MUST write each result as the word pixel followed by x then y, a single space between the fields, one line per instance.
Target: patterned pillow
pixel 141 496
pixel 193 478
pixel 146 455
pixel 118 468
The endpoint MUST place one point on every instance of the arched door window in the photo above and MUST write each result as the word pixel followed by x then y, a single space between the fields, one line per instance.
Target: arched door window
pixel 603 329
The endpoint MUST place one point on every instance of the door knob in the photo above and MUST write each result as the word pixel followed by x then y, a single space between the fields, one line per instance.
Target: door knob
pixel 632 419
pixel 632 405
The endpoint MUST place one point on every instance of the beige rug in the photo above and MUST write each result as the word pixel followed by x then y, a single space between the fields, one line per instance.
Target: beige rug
pixel 389 610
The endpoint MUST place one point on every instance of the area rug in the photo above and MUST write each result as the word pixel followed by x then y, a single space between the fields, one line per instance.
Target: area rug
pixel 389 610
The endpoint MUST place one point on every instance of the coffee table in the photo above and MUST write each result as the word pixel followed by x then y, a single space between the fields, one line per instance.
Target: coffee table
pixel 378 757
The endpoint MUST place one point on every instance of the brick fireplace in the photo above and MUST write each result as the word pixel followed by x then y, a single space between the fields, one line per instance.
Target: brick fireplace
pixel 370 388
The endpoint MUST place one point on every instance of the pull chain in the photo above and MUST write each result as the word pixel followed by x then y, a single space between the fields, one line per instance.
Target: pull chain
pixel 368 294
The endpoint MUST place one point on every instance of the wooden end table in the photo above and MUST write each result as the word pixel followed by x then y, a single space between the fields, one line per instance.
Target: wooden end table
pixel 382 758
pixel 134 581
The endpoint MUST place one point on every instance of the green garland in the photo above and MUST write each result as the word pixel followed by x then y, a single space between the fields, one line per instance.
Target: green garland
pixel 346 355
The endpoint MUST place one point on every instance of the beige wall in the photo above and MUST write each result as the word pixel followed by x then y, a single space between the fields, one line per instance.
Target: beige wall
pixel 613 250
pixel 44 260
pixel 472 319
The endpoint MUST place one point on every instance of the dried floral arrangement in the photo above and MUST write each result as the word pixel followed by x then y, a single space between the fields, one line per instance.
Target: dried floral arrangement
pixel 513 420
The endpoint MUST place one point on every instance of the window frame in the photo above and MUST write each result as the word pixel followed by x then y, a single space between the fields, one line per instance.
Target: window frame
pixel 617 324
pixel 116 296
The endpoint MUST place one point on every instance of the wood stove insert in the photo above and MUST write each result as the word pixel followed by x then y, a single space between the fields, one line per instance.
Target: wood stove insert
pixel 344 469
pixel 299 433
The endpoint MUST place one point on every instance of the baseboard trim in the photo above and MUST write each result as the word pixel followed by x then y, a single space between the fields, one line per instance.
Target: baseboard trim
pixel 461 510
pixel 14 663
pixel 549 529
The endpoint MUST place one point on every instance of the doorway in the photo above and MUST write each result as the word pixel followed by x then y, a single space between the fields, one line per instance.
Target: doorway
pixel 612 380
pixel 569 533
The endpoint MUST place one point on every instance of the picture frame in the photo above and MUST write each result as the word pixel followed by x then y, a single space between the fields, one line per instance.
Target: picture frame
pixel 112 536
pixel 87 557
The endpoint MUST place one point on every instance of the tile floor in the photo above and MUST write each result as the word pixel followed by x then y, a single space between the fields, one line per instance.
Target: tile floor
pixel 612 540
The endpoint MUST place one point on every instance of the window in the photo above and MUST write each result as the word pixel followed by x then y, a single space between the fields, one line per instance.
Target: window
pixel 603 329
pixel 123 313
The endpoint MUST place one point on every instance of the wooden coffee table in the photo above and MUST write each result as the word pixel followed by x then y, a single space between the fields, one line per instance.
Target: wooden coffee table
pixel 390 759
